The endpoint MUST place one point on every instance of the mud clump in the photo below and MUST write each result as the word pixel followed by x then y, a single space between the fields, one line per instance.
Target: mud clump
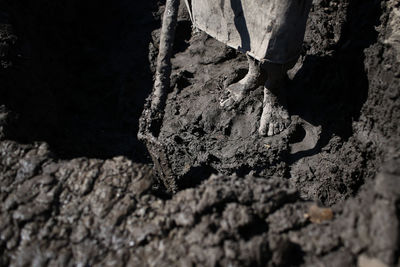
pixel 49 209
pixel 83 194
pixel 95 212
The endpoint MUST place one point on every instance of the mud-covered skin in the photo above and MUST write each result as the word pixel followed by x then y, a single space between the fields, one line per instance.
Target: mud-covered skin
pixel 238 90
pixel 275 116
pixel 86 211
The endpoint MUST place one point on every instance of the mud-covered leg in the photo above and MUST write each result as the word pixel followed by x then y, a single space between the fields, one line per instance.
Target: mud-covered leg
pixel 238 90
pixel 275 117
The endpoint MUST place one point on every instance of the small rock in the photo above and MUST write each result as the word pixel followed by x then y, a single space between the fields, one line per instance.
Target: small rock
pixel 364 261
pixel 318 214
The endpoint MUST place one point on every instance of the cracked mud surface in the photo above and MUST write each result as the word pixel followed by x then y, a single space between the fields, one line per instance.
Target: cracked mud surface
pixel 77 189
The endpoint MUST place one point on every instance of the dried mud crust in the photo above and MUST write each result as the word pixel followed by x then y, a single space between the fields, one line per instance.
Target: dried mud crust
pixel 98 213
pixel 342 150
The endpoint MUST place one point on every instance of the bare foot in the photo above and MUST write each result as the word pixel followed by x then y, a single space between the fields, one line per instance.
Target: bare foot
pixel 237 91
pixel 275 117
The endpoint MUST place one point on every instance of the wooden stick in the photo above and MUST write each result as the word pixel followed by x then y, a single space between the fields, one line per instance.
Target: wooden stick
pixel 151 120
pixel 163 71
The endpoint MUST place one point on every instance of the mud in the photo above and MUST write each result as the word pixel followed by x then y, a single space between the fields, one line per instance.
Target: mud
pixel 78 189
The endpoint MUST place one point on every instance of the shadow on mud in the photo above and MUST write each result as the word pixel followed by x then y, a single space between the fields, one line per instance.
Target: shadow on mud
pixel 329 91
pixel 82 75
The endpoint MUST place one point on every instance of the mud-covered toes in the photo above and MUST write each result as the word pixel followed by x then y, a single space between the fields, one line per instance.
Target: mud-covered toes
pixel 264 123
pixel 235 92
pixel 273 121
pixel 271 129
pixel 262 131
pixel 227 103
pixel 281 126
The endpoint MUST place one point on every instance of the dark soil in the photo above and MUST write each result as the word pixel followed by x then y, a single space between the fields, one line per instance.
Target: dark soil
pixel 78 189
pixel 80 74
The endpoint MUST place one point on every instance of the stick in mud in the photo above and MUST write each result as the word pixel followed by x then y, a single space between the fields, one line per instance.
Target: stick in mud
pixel 153 117
pixel 163 72
pixel 149 128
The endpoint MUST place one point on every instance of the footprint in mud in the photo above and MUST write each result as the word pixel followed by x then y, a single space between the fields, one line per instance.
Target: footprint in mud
pixel 246 124
pixel 304 138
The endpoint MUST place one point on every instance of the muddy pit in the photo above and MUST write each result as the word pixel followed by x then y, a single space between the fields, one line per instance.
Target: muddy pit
pixel 79 189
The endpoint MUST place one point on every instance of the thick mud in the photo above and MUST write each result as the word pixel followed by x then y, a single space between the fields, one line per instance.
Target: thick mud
pixel 78 189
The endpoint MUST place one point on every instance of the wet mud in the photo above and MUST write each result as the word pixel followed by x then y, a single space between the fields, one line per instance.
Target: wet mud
pixel 78 189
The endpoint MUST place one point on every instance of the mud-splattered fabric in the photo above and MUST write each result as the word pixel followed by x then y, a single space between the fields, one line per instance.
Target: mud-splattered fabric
pixel 271 30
